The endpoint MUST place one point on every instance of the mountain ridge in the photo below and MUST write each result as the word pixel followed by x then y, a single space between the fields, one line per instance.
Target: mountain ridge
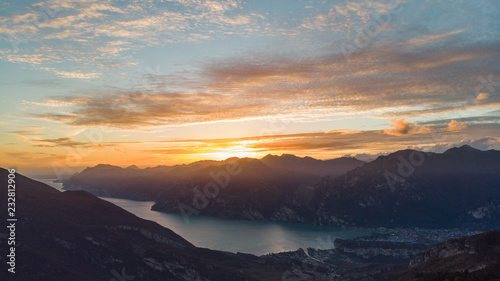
pixel 404 188
pixel 427 189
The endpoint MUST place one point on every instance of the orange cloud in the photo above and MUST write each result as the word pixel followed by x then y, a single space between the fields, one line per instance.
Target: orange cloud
pixel 455 126
pixel 402 127
pixel 482 96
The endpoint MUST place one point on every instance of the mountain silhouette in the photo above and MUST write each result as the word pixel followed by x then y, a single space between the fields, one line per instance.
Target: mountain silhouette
pixel 413 188
pixel 404 188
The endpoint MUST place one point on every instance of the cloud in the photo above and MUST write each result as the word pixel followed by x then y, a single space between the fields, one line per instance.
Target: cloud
pixel 133 110
pixel 433 38
pixel 351 16
pixel 482 143
pixel 74 74
pixel 90 34
pixel 35 157
pixel 482 96
pixel 455 126
pixel 389 78
pixel 333 143
pixel 26 133
pixel 25 17
pixel 398 83
pixel 365 156
pixel 402 127
pixel 62 142
pixel 51 103
pixel 78 74
pixel 365 145
pixel 34 59
pixel 485 143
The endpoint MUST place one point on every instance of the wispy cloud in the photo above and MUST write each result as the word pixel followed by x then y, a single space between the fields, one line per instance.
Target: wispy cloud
pixel 51 103
pixel 481 143
pixel 26 133
pixel 74 74
pixel 61 142
pixel 132 110
pixel 35 157
pixel 33 59
pixel 333 144
pixel 90 34
pixel 397 83
pixel 423 66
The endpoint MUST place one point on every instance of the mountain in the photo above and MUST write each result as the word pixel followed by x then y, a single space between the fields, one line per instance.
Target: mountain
pixel 322 168
pixel 255 191
pixel 404 189
pixel 74 235
pixel 469 258
pixel 412 188
pixel 275 187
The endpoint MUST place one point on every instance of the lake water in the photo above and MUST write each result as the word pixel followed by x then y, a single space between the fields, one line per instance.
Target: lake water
pixel 254 237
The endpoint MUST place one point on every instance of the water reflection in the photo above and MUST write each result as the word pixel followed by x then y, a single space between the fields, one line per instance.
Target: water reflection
pixel 255 237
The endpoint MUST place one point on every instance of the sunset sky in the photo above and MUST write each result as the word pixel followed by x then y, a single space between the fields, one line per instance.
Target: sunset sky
pixel 169 82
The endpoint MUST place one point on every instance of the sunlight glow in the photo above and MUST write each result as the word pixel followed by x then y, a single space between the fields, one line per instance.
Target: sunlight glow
pixel 233 151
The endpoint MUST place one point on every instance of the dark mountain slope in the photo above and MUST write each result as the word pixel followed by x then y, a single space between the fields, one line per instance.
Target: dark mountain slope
pixel 253 191
pixel 410 188
pixel 76 236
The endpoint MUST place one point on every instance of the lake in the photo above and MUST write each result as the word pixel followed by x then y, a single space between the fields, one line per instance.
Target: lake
pixel 254 237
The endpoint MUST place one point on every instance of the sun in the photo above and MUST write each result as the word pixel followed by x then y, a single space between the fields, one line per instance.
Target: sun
pixel 240 151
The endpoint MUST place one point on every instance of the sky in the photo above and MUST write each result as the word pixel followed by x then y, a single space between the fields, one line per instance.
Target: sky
pixel 152 83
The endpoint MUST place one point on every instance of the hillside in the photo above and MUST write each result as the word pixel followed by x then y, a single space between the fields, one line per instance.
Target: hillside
pixel 410 188
pixel 74 235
